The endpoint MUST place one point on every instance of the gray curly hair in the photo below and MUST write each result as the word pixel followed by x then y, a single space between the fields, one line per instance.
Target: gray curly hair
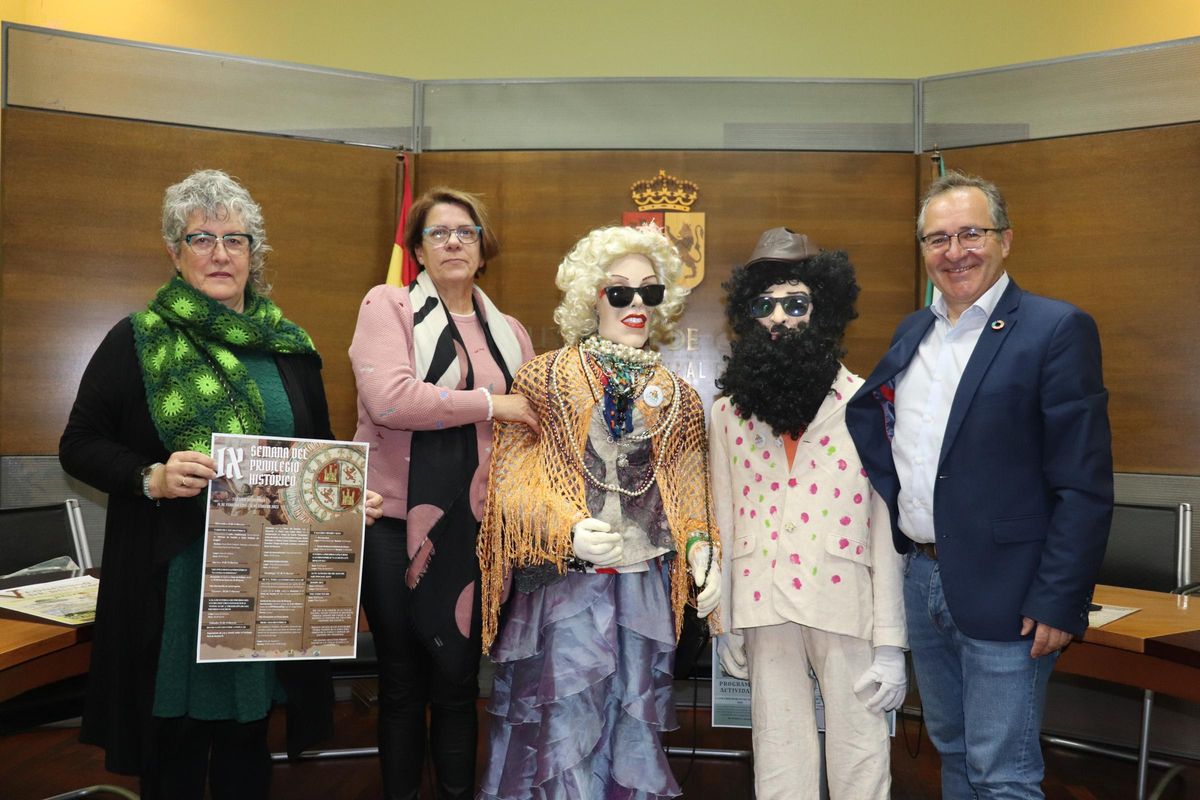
pixel 216 195
pixel 585 269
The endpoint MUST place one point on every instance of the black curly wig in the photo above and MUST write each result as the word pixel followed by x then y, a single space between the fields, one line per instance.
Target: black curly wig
pixel 782 375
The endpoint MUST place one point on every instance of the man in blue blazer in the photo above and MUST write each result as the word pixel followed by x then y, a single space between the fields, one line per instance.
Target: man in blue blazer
pixel 985 427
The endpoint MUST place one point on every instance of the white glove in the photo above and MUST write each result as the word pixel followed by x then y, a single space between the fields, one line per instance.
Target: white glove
pixel 710 584
pixel 889 672
pixel 593 542
pixel 731 649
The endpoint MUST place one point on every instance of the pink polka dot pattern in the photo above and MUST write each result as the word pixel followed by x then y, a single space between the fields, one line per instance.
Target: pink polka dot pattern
pixel 836 579
pixel 797 584
pixel 845 521
pixel 794 558
pixel 858 498
pixel 843 543
pixel 757 596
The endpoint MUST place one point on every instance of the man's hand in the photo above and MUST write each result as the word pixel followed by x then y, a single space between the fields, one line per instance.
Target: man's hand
pixel 1046 640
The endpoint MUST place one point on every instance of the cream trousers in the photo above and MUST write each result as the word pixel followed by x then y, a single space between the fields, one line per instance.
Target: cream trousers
pixel 787 752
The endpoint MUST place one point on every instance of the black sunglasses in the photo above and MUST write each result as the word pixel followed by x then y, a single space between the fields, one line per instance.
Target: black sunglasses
pixel 621 296
pixel 795 305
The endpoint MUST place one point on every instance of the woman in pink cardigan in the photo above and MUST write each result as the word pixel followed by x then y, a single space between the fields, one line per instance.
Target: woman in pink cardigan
pixel 433 362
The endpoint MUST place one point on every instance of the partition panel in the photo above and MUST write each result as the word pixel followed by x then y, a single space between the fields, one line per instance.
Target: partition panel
pixel 80 220
pixel 1107 221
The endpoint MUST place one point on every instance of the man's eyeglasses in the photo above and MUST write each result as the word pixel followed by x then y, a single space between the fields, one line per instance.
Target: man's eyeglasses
pixel 968 239
pixel 621 296
pixel 794 305
pixel 440 234
pixel 203 244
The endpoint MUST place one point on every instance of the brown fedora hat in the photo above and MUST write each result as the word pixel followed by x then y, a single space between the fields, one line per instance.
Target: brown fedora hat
pixel 782 244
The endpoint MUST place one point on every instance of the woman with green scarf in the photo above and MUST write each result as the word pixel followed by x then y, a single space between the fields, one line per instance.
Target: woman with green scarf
pixel 210 353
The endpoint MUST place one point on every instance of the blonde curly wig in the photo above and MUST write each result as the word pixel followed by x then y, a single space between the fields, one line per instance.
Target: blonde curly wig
pixel 584 270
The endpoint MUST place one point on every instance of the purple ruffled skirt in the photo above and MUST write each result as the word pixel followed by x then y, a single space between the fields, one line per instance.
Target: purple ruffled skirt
pixel 583 691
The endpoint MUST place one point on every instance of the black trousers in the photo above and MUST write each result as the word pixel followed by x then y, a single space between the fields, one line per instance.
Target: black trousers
pixel 185 753
pixel 408 682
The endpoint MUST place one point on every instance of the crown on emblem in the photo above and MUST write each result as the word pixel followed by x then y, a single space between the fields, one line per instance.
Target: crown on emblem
pixel 664 192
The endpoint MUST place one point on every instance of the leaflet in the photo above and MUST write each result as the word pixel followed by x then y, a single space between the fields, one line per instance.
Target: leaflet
pixel 282 549
pixel 72 600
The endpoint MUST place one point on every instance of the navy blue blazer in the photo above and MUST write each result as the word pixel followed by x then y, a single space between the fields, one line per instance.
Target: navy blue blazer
pixel 1023 498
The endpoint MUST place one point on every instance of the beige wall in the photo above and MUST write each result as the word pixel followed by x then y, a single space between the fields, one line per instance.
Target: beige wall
pixel 570 38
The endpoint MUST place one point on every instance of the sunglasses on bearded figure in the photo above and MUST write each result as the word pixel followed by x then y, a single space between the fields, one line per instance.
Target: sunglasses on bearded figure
pixel 621 296
pixel 795 305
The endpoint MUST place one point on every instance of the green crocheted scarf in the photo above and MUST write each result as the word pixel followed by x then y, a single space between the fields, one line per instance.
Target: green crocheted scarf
pixel 195 385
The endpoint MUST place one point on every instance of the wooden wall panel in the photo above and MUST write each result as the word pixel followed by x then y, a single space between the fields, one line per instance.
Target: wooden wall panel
pixel 80 221
pixel 542 202
pixel 1108 222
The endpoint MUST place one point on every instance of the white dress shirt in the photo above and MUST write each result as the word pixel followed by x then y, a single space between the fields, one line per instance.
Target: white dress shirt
pixel 924 393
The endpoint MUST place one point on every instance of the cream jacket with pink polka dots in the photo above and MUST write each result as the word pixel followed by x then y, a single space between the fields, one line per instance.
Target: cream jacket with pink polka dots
pixel 811 544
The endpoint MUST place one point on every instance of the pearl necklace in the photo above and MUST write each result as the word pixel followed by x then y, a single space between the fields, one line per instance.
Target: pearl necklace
pixel 608 350
pixel 568 435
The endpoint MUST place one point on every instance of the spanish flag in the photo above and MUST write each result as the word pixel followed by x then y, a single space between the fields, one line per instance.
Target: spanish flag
pixel 401 270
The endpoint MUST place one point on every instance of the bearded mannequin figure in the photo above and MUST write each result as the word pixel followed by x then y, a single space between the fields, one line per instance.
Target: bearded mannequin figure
pixel 813 584
pixel 807 349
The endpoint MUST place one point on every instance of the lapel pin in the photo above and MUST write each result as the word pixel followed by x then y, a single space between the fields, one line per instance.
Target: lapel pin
pixel 998 325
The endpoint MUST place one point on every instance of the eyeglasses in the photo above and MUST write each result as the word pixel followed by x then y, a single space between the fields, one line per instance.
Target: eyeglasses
pixel 203 244
pixel 621 296
pixel 968 239
pixel 440 234
pixel 794 305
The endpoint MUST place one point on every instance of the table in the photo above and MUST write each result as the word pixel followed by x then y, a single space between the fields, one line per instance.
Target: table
pixel 1156 649
pixel 34 653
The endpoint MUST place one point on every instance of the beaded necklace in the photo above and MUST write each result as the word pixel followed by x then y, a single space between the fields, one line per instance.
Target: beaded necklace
pixel 562 430
pixel 623 373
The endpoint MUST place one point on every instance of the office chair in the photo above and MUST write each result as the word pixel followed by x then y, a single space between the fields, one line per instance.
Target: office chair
pixel 1149 547
pixel 35 534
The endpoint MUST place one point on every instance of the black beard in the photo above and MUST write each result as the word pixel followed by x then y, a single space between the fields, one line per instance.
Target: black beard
pixel 781 381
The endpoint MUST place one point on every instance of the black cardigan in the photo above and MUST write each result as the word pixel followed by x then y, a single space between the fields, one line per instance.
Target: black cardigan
pixel 108 440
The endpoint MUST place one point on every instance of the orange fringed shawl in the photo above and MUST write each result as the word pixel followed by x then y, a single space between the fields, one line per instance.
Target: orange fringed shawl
pixel 537 489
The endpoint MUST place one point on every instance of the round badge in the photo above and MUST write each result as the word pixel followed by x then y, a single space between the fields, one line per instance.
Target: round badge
pixel 653 396
pixel 998 325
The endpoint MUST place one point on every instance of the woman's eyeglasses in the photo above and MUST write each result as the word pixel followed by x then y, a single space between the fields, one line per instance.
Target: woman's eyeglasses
pixel 621 296
pixel 440 234
pixel 794 305
pixel 203 244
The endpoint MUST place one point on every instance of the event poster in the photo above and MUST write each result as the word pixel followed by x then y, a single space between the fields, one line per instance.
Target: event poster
pixel 282 549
